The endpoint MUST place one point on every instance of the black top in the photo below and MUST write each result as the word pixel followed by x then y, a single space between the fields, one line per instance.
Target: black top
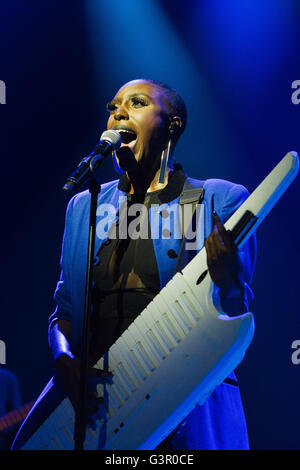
pixel 126 277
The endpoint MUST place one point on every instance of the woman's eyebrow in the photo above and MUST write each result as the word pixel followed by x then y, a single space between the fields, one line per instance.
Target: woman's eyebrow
pixel 132 95
pixel 139 94
pixel 115 101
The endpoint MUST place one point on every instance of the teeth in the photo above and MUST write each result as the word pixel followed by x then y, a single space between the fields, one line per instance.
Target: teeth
pixel 127 135
pixel 126 131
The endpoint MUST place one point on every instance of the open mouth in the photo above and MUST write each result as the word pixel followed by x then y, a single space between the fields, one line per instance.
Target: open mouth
pixel 128 136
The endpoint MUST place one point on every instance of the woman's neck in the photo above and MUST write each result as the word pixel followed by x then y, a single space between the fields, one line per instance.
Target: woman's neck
pixel 141 185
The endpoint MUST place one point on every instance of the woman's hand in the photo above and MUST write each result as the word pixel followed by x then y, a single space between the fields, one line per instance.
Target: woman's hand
pixel 222 258
pixel 68 369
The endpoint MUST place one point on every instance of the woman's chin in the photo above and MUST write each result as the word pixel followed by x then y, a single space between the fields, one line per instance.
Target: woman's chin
pixel 125 159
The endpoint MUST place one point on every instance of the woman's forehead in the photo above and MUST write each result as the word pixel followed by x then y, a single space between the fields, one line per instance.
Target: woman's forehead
pixel 153 91
pixel 139 86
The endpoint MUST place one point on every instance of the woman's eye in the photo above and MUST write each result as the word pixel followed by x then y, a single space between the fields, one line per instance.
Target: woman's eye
pixel 110 107
pixel 139 102
pixel 136 103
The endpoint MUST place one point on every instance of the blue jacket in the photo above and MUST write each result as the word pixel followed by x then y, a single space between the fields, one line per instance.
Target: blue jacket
pixel 222 196
pixel 220 422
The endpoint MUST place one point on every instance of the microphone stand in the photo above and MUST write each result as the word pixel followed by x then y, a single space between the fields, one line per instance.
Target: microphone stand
pixel 110 140
pixel 80 418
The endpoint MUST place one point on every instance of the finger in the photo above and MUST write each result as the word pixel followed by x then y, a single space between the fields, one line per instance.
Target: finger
pixel 91 407
pixel 92 402
pixel 100 377
pixel 220 227
pixel 218 240
pixel 103 373
pixel 211 250
pixel 104 376
pixel 104 379
pixel 94 372
pixel 223 233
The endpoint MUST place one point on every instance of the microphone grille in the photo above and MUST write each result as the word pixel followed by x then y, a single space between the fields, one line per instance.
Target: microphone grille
pixel 113 137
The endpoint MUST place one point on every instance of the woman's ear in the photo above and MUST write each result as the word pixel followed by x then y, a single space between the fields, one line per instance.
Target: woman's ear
pixel 175 125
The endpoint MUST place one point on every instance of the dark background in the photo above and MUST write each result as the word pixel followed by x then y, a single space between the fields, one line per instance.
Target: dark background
pixel 234 63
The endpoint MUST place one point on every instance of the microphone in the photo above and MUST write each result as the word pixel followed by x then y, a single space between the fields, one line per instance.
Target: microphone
pixel 109 141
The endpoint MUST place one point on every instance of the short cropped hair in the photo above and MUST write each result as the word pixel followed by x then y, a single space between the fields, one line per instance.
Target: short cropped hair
pixel 176 102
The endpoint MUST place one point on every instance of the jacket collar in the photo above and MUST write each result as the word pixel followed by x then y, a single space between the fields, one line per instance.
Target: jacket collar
pixel 168 193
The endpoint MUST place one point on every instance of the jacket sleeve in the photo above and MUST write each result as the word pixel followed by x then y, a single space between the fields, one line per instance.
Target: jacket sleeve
pixel 233 199
pixel 62 294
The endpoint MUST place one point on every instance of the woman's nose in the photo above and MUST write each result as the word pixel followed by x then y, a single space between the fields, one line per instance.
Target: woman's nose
pixel 121 114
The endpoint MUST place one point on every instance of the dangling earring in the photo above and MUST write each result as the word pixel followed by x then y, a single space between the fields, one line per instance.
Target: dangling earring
pixel 164 163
